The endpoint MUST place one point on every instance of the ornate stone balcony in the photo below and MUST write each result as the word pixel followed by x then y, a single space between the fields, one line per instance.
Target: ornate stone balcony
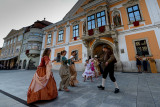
pixel 32 53
pixel 34 38
pixel 104 31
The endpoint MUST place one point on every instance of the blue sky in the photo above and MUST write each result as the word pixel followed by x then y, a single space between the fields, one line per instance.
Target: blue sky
pixel 15 14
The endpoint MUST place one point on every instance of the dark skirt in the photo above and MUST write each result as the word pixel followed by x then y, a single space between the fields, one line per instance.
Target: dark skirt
pixel 145 65
pixel 138 62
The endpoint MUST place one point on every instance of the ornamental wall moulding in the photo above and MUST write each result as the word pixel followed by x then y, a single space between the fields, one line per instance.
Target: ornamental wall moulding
pixel 61 28
pixel 116 17
pixel 130 2
pixel 93 11
pixel 75 22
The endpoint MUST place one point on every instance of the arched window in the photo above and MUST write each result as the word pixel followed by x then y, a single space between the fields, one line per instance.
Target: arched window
pixel 117 18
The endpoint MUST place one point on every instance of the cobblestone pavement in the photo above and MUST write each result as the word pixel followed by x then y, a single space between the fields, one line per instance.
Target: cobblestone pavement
pixel 136 90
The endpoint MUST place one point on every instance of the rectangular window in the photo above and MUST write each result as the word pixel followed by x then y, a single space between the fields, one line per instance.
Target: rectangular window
pixel 11 41
pixel 49 39
pixel 35 46
pixel 76 57
pixel 76 31
pixel 134 13
pixel 101 19
pixel 91 22
pixel 60 36
pixel 14 40
pixel 20 38
pixel 58 57
pixel 141 47
pixel 29 46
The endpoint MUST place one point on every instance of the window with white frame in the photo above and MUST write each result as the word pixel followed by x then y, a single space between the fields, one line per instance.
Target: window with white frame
pixel 35 46
pixel 76 31
pixel 20 38
pixel 101 18
pixel 11 41
pixel 134 13
pixel 49 38
pixel 15 40
pixel 29 46
pixel 141 47
pixel 91 22
pixel 60 36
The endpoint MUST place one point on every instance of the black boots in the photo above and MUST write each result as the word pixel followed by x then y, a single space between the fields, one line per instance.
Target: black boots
pixel 101 87
pixel 116 90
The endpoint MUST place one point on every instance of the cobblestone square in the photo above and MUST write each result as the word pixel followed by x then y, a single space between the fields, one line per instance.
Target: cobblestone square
pixel 136 90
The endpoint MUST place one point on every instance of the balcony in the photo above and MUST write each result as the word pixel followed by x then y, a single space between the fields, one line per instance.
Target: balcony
pixel 103 31
pixel 34 39
pixel 32 53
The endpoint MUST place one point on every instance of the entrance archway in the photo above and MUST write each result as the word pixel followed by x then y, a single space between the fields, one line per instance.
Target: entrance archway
pixel 97 51
pixel 98 44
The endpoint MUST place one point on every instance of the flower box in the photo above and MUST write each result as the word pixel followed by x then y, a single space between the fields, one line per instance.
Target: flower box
pixel 90 32
pixel 102 29
pixel 75 38
pixel 136 23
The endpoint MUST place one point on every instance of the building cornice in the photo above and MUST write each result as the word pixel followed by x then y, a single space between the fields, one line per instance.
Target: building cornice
pixel 147 27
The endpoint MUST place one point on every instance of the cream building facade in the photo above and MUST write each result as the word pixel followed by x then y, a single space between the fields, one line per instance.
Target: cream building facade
pixel 128 27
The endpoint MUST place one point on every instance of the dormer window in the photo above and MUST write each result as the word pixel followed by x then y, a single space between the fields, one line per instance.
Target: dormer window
pixel 91 22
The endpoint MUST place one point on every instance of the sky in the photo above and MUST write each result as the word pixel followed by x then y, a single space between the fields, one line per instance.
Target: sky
pixel 15 14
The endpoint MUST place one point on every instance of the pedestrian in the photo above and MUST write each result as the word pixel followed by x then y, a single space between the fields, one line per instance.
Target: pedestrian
pixel 138 63
pixel 96 66
pixel 145 63
pixel 43 85
pixel 64 72
pixel 108 61
pixel 88 73
pixel 73 79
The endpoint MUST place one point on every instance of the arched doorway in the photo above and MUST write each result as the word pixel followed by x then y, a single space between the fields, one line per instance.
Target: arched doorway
pixel 24 64
pixel 98 49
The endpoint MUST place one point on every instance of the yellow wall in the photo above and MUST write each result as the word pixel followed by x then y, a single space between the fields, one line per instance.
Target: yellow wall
pixel 153 44
pixel 158 2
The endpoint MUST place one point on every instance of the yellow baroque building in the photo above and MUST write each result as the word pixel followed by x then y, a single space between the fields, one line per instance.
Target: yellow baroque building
pixel 128 27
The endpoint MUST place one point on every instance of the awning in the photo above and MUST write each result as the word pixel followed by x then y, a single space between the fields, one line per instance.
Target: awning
pixel 4 59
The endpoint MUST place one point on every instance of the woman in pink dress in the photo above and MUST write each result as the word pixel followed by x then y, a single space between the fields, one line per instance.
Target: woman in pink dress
pixel 43 85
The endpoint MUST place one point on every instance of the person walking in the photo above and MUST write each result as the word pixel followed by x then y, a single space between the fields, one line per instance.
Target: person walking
pixel 108 61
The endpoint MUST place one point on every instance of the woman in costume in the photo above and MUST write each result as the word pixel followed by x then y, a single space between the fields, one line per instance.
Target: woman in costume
pixel 43 85
pixel 64 72
pixel 73 79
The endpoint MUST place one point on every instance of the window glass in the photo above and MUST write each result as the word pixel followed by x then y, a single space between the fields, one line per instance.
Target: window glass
pixel 134 13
